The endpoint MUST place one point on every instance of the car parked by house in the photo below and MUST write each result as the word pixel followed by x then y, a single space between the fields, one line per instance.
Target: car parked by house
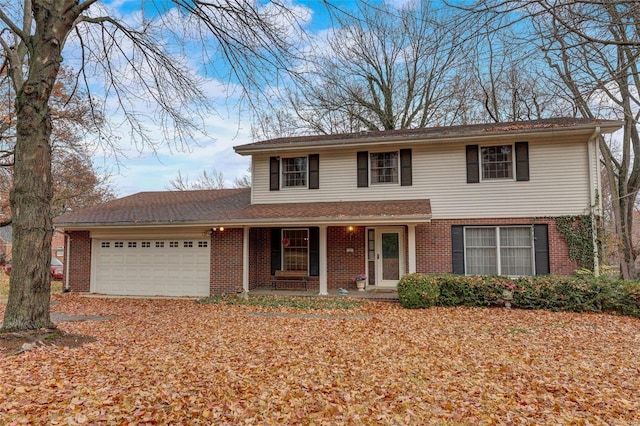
pixel 57 269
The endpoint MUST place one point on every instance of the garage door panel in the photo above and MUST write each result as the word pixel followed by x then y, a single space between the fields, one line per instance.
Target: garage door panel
pixel 151 267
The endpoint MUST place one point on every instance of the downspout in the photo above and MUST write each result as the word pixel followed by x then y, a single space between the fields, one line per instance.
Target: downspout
pixel 594 196
pixel 67 258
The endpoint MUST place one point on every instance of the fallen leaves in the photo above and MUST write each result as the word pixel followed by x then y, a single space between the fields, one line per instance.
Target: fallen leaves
pixel 176 362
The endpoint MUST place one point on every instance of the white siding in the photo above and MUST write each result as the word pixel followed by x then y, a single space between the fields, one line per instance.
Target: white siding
pixel 559 182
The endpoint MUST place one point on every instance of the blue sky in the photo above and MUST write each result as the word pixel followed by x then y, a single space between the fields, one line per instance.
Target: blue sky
pixel 134 171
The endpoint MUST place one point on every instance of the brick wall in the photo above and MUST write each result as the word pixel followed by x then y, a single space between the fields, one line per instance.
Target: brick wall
pixel 79 261
pixel 433 252
pixel 259 257
pixel 226 261
pixel 343 265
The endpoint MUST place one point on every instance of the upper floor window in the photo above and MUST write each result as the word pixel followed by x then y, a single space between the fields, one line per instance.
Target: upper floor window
pixel 497 162
pixel 384 167
pixel 294 172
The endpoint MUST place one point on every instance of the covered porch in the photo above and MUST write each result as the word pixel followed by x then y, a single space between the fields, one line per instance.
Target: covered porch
pixel 328 245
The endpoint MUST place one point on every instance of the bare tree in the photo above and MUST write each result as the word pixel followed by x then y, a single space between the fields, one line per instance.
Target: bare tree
pixel 211 180
pixel 592 51
pixel 380 68
pixel 142 70
pixel 244 181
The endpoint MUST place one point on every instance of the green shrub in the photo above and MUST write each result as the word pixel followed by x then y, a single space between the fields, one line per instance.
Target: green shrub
pixel 481 291
pixel 565 293
pixel 418 290
pixel 627 301
pixel 583 293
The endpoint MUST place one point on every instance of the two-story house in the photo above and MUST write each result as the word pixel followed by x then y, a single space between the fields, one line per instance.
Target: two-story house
pixel 475 199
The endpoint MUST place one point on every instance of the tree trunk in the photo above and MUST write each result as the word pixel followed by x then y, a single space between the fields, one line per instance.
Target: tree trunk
pixel 32 192
pixel 30 282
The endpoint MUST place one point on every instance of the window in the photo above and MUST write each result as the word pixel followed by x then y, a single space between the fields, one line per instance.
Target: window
pixel 118 244
pixel 105 244
pixel 497 162
pixel 132 244
pixel 187 244
pixel 295 250
pixel 146 244
pixel 173 244
pixel 159 244
pixel 384 167
pixel 203 244
pixel 294 172
pixel 499 250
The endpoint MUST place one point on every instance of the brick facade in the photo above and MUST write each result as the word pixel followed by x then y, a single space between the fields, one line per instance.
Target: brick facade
pixel 79 261
pixel 433 241
pixel 346 254
pixel 343 265
pixel 226 261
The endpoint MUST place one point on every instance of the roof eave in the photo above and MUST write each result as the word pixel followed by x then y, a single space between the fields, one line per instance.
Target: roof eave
pixel 238 223
pixel 586 129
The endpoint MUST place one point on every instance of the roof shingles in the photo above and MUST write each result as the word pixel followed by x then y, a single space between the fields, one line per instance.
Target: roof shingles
pixel 232 206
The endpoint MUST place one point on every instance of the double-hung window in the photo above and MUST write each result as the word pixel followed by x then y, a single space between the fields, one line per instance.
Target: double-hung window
pixel 499 250
pixel 497 162
pixel 294 172
pixel 384 167
pixel 295 250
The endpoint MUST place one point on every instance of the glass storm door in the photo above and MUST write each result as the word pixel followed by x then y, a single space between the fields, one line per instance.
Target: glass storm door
pixel 389 256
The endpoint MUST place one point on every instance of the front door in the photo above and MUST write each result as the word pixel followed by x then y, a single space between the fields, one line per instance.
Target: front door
pixel 389 256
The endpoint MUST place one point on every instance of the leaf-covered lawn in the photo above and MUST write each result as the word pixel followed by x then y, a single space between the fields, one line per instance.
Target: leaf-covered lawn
pixel 178 362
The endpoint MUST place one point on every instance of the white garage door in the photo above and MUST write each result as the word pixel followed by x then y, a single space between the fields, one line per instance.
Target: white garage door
pixel 151 267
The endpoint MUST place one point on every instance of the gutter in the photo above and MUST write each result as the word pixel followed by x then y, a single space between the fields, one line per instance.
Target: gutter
pixel 444 137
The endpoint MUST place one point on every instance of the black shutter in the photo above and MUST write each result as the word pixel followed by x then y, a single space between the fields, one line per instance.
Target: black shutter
pixel 457 249
pixel 541 243
pixel 473 164
pixel 363 169
pixel 276 250
pixel 522 161
pixel 314 171
pixel 314 251
pixel 274 173
pixel 405 167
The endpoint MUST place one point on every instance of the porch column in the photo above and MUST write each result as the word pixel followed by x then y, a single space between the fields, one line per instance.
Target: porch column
pixel 411 242
pixel 323 261
pixel 245 259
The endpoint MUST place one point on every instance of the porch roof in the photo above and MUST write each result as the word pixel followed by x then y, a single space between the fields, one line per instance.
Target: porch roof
pixel 232 207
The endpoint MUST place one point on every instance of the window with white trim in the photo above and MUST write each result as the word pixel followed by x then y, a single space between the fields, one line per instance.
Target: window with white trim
pixel 497 162
pixel 294 172
pixel 499 250
pixel 295 250
pixel 384 167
